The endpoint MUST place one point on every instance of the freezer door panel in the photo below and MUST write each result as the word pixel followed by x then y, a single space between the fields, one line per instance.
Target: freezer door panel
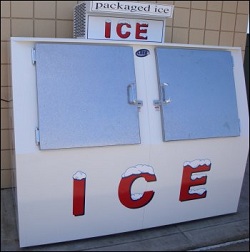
pixel 83 97
pixel 197 92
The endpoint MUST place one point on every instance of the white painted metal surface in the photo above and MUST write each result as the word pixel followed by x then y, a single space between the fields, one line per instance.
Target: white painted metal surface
pixel 46 179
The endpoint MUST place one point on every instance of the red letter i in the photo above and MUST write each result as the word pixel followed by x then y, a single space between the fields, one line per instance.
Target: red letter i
pixel 107 29
pixel 79 184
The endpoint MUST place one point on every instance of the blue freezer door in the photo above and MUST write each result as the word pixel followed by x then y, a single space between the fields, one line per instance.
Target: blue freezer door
pixel 83 95
pixel 199 92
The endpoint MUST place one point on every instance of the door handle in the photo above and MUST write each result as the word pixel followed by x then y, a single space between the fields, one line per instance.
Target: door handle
pixel 163 100
pixel 132 97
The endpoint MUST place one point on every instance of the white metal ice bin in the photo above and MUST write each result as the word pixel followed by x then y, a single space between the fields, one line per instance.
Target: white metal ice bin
pixel 112 137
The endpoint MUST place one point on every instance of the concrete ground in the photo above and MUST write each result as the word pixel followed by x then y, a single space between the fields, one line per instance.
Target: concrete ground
pixel 223 233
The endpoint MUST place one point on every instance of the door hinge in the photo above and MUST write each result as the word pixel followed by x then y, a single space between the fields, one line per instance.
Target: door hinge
pixel 33 56
pixel 37 132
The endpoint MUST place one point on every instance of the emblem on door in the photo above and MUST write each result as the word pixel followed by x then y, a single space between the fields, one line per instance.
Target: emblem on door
pixel 142 53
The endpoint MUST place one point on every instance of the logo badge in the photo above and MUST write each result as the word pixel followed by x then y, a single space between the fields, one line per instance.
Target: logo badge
pixel 142 53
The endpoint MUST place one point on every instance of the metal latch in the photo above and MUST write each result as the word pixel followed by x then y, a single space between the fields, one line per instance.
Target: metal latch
pixel 33 56
pixel 37 136
pixel 163 100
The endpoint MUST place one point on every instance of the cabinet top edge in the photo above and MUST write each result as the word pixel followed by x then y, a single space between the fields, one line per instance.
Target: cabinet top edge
pixel 130 43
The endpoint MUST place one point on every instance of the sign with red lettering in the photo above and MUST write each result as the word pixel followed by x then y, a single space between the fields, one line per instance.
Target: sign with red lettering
pixel 130 29
pixel 192 187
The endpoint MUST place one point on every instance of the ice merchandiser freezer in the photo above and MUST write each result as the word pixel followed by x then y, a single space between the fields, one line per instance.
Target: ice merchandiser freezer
pixel 113 137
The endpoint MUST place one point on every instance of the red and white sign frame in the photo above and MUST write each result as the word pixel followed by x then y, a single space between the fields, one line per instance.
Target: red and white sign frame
pixel 125 29
pixel 126 21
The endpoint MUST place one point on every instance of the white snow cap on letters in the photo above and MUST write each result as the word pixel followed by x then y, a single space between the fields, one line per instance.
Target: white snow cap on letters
pixel 199 191
pixel 199 175
pixel 138 169
pixel 197 162
pixel 136 196
pixel 79 175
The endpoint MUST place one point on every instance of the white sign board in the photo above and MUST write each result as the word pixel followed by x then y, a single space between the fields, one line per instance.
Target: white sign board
pixel 165 11
pixel 120 20
pixel 114 28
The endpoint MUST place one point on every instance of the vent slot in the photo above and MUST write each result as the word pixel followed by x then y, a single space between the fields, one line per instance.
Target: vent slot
pixel 79 23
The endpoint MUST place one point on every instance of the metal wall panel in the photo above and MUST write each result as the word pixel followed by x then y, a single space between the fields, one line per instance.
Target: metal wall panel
pixel 82 95
pixel 199 92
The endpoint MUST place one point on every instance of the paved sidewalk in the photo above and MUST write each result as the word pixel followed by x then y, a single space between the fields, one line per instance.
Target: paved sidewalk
pixel 224 233
pixel 240 245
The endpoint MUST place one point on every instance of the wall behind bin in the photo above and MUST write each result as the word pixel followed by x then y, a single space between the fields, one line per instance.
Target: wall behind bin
pixel 194 22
